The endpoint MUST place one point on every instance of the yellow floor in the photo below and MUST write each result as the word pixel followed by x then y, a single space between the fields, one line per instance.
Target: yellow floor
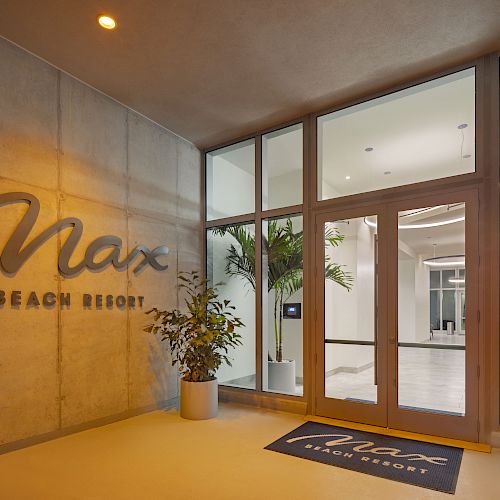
pixel 161 456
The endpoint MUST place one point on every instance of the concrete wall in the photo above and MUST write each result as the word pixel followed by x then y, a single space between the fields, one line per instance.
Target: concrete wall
pixel 84 155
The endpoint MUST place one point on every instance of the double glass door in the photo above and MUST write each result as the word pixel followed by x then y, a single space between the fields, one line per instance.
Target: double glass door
pixel 379 359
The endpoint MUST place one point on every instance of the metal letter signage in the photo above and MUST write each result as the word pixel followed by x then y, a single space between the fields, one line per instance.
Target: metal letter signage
pixel 16 253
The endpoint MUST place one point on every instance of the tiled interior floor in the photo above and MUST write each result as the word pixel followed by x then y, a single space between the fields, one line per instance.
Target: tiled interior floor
pixel 159 456
pixel 432 379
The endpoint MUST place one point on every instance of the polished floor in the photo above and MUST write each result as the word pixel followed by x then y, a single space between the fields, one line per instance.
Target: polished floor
pixel 428 379
pixel 159 456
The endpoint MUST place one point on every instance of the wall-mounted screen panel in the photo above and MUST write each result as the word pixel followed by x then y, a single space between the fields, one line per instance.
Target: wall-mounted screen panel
pixel 231 180
pixel 417 134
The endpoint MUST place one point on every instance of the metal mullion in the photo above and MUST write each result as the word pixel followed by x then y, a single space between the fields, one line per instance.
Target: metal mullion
pixel 258 264
pixel 229 221
pixel 350 342
pixel 451 347
pixel 275 213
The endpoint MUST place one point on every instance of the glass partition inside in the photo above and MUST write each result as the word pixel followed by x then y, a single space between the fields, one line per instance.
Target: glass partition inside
pixel 231 268
pixel 230 180
pixel 418 134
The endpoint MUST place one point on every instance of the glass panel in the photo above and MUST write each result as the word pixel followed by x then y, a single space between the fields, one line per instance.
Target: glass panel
pixel 432 369
pixel 449 309
pixel 231 180
pixel 350 295
pixel 282 292
pixel 432 380
pixel 462 312
pixel 227 248
pixel 282 168
pixel 435 279
pixel 418 134
pixel 435 310
pixel 349 373
pixel 350 254
pixel 461 278
pixel 449 274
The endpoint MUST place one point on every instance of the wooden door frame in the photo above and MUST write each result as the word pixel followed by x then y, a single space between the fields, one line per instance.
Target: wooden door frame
pixel 457 427
pixel 353 411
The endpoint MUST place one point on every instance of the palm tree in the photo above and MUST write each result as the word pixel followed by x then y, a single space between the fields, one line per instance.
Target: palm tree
pixel 283 249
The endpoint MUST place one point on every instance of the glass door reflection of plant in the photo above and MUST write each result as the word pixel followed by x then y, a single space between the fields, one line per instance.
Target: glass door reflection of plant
pixel 285 263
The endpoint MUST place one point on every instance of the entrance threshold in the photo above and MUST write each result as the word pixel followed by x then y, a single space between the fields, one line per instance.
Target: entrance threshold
pixel 457 443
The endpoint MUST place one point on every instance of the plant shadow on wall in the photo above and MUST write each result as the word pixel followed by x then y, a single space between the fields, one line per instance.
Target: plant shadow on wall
pixel 283 249
pixel 199 340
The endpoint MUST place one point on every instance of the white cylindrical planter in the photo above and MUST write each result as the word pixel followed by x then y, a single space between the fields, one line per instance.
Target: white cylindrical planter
pixel 281 376
pixel 199 400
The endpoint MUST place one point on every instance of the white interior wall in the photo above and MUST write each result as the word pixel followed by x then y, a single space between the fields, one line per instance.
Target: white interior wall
pixel 242 296
pixel 230 189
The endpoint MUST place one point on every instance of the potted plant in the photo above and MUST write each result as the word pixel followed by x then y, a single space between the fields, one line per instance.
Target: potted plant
pixel 199 340
pixel 283 248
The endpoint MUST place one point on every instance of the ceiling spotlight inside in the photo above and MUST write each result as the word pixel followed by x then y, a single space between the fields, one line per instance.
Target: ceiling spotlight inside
pixel 387 172
pixel 462 126
pixel 368 149
pixel 106 22
pixel 347 177
pixel 466 156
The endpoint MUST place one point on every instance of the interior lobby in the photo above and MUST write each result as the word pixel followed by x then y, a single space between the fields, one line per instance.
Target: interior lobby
pixel 301 198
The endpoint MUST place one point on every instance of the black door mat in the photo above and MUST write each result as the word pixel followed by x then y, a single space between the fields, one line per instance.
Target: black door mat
pixel 422 464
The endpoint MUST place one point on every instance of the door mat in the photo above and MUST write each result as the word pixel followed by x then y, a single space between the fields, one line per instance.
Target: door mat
pixel 422 464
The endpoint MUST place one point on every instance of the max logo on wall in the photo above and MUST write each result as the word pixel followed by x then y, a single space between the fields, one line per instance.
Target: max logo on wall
pixel 16 252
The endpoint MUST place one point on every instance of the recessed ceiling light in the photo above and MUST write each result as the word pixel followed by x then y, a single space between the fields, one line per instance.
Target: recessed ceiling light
pixel 347 177
pixel 368 149
pixel 387 172
pixel 462 126
pixel 106 22
pixel 466 156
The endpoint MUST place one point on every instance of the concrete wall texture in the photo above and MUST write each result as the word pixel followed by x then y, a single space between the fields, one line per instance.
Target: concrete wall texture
pixel 86 156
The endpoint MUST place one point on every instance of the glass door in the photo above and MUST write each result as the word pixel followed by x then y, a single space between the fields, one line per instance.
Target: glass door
pixel 391 316
pixel 432 364
pixel 351 360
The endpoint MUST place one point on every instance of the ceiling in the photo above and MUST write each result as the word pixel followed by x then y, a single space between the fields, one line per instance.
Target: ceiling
pixel 214 70
pixel 412 136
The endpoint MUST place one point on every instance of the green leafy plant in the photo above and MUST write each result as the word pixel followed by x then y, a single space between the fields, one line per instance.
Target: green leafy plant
pixel 283 248
pixel 199 338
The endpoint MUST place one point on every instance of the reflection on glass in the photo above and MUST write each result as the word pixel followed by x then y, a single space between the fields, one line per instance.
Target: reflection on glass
pixel 350 295
pixel 418 134
pixel 350 373
pixel 225 250
pixel 448 274
pixel 282 289
pixel 282 168
pixel 231 180
pixel 431 358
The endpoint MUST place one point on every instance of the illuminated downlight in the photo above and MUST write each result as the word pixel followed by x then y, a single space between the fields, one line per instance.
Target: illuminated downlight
pixel 107 22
